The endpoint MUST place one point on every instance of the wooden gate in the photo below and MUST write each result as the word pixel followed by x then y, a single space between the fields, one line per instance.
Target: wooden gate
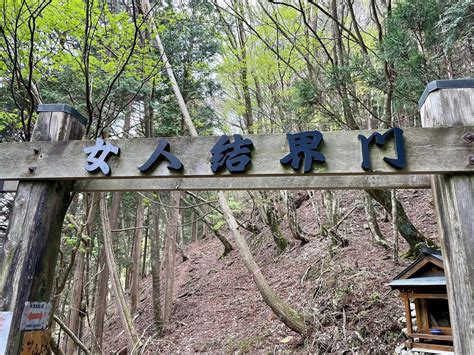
pixel 44 171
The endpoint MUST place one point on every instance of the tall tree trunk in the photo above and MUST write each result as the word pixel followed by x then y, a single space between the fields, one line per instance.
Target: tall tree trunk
pixel 155 258
pixel 145 245
pixel 75 306
pixel 122 307
pixel 137 246
pixel 393 195
pixel 243 64
pixel 74 321
pixel 103 290
pixel 288 315
pixel 170 251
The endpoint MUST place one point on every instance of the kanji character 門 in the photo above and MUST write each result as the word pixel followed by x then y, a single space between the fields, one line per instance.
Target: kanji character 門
pixel 379 140
pixel 97 156
pixel 303 145
pixel 162 151
pixel 235 156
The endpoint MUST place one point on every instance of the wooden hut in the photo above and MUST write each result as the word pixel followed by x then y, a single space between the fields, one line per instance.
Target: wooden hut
pixel 423 284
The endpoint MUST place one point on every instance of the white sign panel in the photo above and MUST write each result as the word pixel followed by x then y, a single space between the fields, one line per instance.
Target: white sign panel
pixel 5 324
pixel 35 316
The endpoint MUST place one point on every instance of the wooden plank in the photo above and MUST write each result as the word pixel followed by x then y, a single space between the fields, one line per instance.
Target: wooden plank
pixel 428 151
pixel 406 302
pixel 297 182
pixel 432 336
pixel 424 346
pixel 454 200
pixel 428 295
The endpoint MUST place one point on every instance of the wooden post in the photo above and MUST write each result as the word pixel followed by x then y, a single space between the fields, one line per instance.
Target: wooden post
pixel 450 103
pixel 28 256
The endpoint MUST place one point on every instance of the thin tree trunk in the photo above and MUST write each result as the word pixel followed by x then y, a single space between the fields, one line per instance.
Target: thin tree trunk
pixel 194 226
pixel 393 194
pixel 137 246
pixel 71 334
pixel 170 257
pixel 377 236
pixel 314 203
pixel 269 216
pixel 227 246
pixel 405 227
pixel 291 213
pixel 145 246
pixel 122 307
pixel 101 300
pixel 288 315
pixel 76 297
pixel 146 8
pixel 78 286
pixel 155 258
pixel 180 242
pixel 242 55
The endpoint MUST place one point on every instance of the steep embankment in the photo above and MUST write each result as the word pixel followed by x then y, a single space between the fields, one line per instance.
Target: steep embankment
pixel 218 309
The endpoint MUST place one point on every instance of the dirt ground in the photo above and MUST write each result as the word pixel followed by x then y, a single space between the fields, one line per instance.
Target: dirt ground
pixel 218 308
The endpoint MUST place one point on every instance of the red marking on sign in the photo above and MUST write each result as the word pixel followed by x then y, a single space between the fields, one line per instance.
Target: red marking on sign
pixel 33 316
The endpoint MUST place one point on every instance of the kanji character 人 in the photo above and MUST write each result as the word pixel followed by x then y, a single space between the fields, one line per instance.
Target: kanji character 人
pixel 162 150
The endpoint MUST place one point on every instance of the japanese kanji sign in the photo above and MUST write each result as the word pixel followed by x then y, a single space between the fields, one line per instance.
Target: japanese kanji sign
pixel 300 154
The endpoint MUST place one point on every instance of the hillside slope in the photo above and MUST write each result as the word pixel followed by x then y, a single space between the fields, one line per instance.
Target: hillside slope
pixel 217 307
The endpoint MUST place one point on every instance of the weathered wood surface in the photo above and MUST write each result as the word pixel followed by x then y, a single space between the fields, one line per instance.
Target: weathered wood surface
pixel 454 198
pixel 296 182
pixel 428 151
pixel 28 253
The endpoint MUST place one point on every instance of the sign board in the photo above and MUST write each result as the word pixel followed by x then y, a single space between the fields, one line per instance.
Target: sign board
pixel 5 323
pixel 35 316
pixel 359 153
pixel 36 343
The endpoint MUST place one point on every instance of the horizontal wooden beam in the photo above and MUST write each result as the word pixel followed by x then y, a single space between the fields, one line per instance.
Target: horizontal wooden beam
pixel 248 183
pixel 432 336
pixel 428 151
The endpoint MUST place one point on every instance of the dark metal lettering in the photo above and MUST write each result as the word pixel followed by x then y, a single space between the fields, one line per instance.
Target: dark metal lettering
pixel 303 145
pixel 379 140
pixel 162 151
pixel 98 155
pixel 235 156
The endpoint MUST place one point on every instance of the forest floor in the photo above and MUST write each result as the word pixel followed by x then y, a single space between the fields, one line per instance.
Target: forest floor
pixel 218 309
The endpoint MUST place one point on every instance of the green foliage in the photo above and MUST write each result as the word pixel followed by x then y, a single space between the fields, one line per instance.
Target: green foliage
pixel 191 39
pixel 217 219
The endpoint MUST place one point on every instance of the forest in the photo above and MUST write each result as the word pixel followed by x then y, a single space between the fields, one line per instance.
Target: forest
pixel 236 271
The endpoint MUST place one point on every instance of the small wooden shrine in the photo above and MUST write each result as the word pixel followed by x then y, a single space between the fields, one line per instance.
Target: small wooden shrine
pixel 423 284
